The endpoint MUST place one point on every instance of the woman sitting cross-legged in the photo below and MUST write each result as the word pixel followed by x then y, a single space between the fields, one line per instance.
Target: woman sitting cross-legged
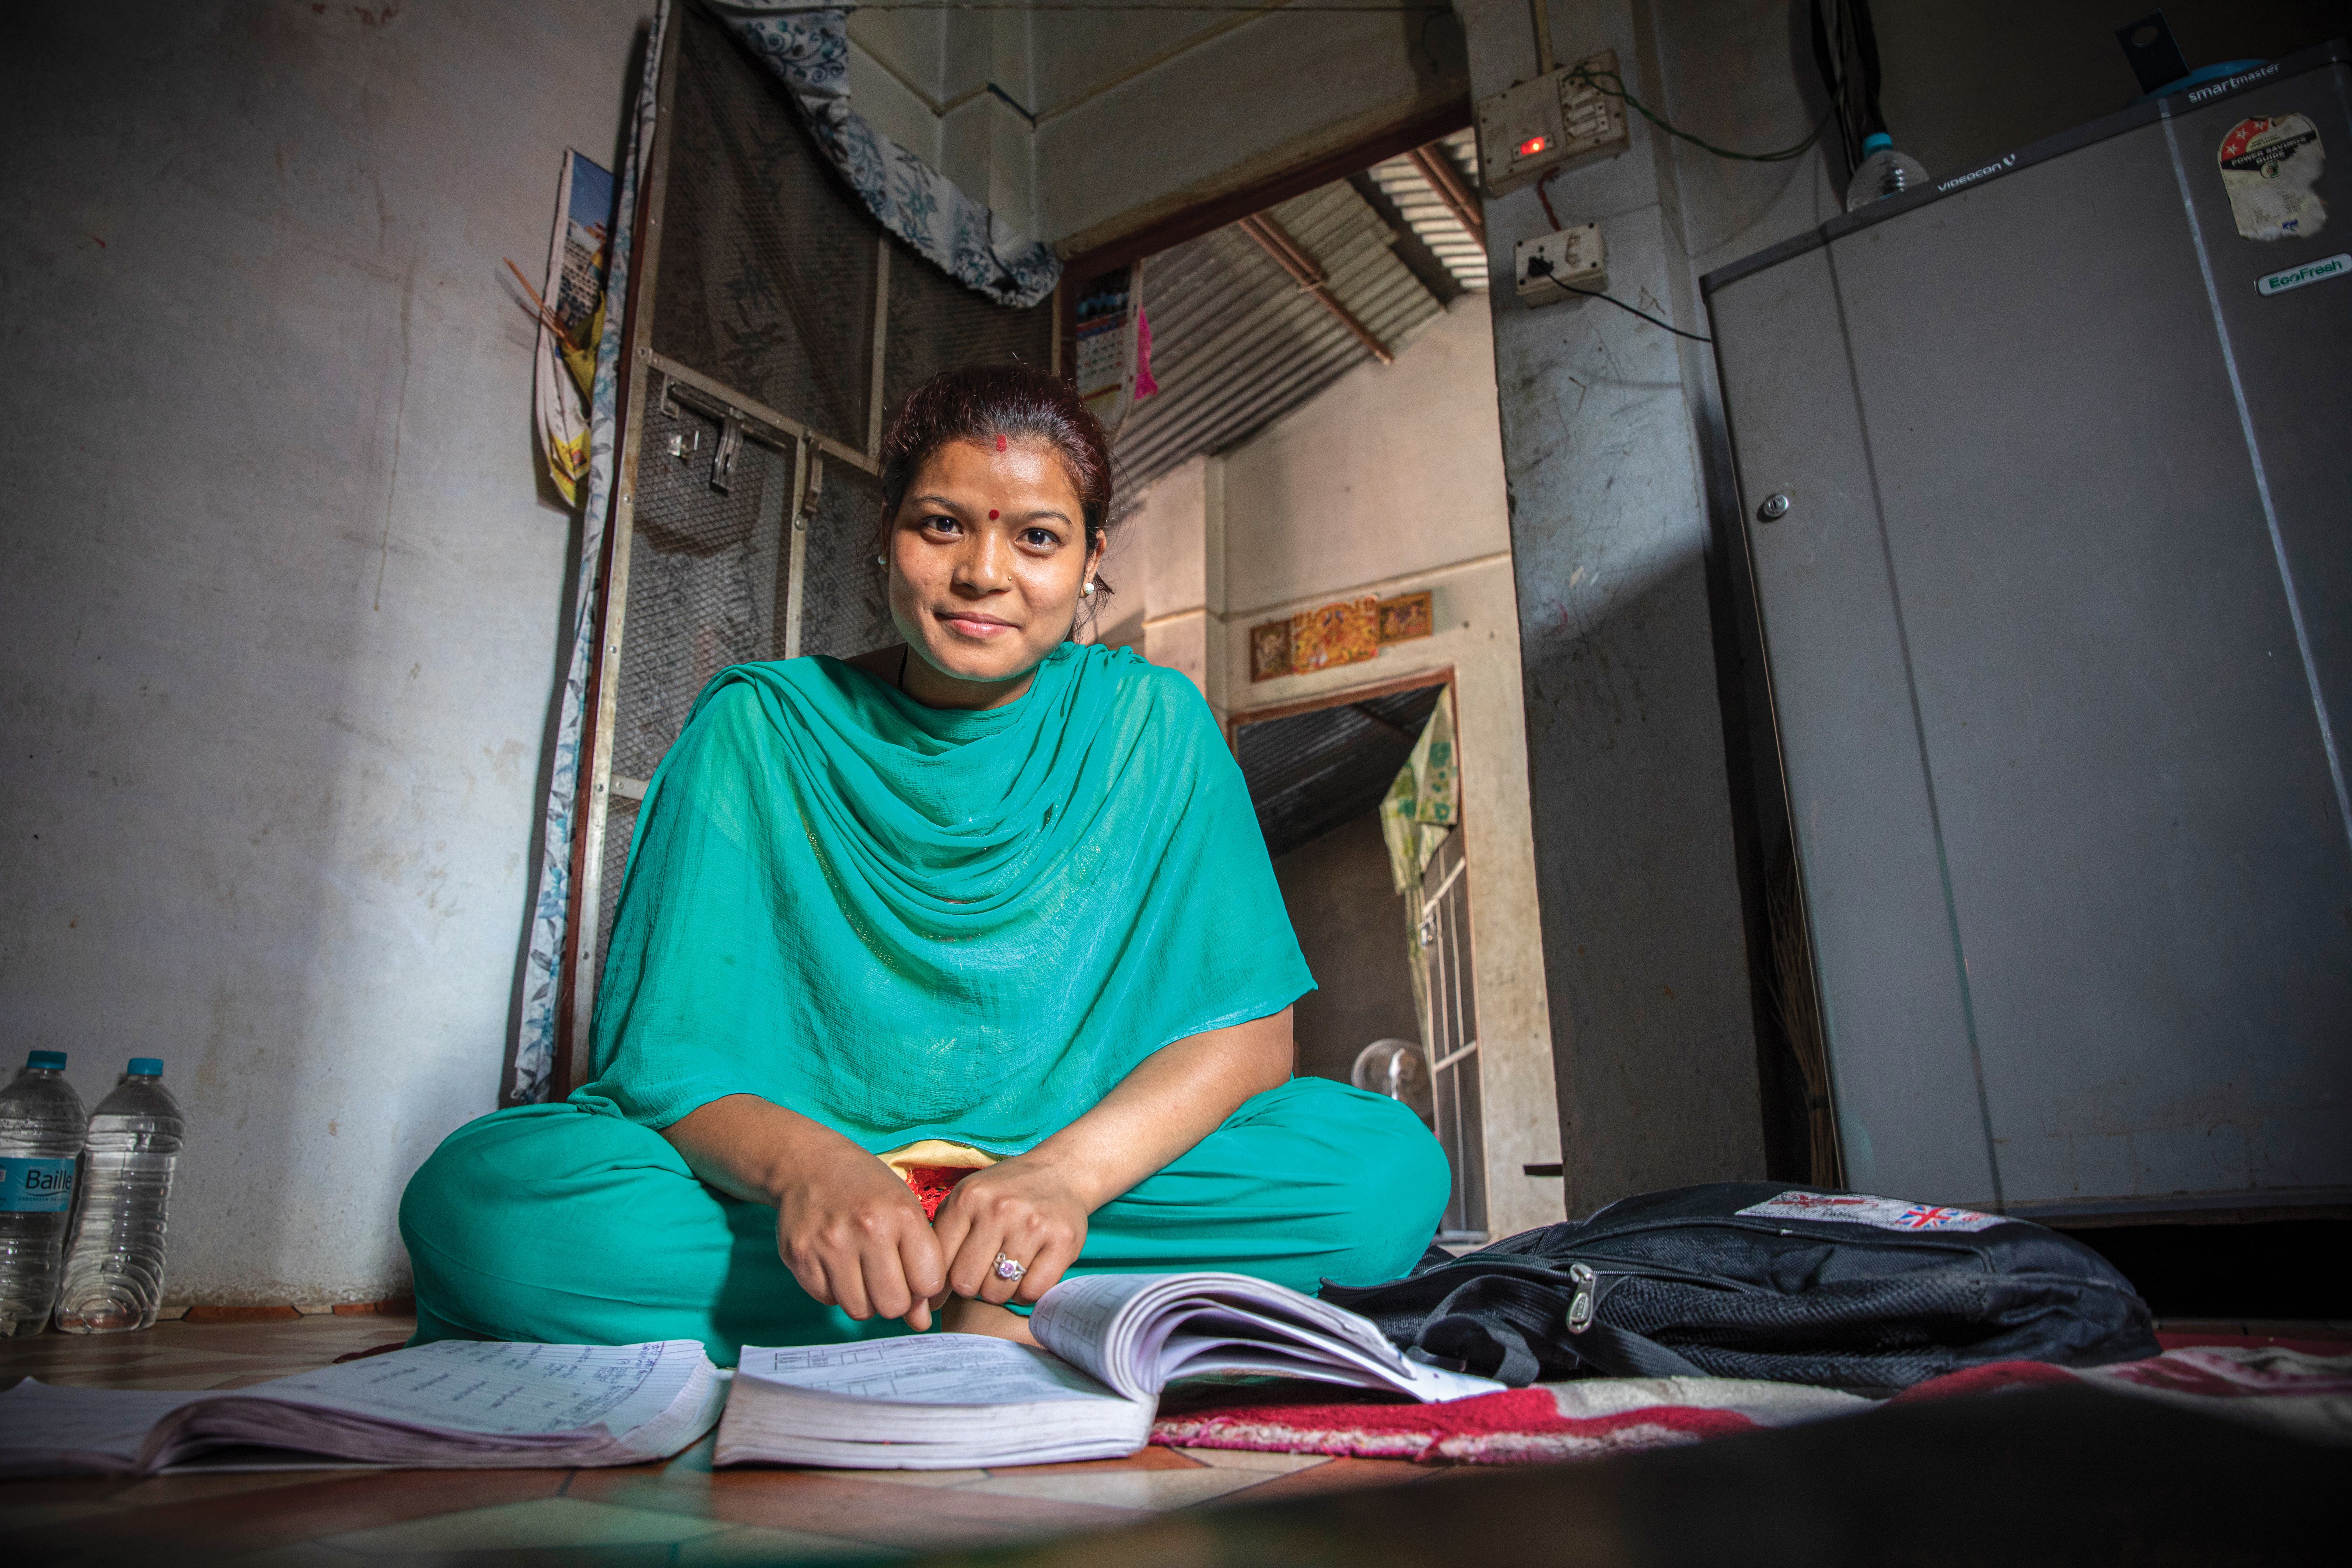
pixel 993 906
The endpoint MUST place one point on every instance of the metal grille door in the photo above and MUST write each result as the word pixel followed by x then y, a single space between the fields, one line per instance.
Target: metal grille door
pixel 1453 1037
pixel 772 322
pixel 845 610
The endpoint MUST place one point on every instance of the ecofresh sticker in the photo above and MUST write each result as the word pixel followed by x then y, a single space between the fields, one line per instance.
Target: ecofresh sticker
pixel 1859 1208
pixel 2270 169
pixel 36 1186
pixel 2335 266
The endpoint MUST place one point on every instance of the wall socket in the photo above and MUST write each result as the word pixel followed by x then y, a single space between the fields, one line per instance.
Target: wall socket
pixel 1557 121
pixel 1555 266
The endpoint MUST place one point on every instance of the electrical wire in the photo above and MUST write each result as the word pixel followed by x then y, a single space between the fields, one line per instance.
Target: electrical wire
pixel 1845 51
pixel 1590 77
pixel 1668 326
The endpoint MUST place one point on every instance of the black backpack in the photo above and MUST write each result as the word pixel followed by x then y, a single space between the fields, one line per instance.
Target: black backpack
pixel 1753 1280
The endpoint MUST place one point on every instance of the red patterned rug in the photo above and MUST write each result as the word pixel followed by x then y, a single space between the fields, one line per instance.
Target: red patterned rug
pixel 2282 1385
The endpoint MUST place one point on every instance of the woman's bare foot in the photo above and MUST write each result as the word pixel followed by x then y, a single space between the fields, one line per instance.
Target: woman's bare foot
pixel 963 1316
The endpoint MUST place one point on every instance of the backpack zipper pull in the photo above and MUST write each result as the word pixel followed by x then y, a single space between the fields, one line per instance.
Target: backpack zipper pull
pixel 1580 1309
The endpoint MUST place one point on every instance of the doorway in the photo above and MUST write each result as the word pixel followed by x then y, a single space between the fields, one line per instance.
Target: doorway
pixel 1392 965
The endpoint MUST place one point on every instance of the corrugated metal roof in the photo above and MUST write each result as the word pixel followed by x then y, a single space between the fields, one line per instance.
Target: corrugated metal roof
pixel 1322 769
pixel 1430 218
pixel 1236 344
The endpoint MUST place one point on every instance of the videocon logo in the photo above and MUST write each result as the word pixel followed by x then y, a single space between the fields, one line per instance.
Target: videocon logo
pixel 1973 176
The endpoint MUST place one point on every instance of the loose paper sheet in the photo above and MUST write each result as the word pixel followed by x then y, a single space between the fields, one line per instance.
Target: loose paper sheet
pixel 40 1417
pixel 460 1385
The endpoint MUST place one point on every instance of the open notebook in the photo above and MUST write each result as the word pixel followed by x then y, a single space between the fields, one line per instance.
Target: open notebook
pixel 951 1401
pixel 456 1403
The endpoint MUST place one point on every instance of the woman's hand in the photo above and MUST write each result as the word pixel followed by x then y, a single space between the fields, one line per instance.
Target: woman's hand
pixel 1026 1208
pixel 854 1236
pixel 848 1228
pixel 1032 1207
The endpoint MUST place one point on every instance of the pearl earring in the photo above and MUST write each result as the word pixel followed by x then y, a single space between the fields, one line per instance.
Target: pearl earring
pixel 1087 589
pixel 880 562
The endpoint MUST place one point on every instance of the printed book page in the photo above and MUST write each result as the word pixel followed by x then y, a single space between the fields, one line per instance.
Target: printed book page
pixel 1137 1331
pixel 1075 1321
pixel 456 1403
pixel 927 1369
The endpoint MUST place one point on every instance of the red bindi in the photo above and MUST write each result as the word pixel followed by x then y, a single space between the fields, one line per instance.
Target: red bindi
pixel 999 446
pixel 991 514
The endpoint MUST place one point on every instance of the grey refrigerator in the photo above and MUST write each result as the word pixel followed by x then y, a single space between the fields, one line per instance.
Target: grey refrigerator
pixel 2045 485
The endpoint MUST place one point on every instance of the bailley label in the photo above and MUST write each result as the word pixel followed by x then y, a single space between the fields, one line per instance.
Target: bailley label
pixel 36 1186
pixel 2270 169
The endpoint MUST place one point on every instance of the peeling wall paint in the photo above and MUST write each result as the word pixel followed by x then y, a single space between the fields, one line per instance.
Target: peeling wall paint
pixel 278 634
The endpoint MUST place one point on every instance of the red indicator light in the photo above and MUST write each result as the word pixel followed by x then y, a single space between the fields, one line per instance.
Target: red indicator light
pixel 1533 145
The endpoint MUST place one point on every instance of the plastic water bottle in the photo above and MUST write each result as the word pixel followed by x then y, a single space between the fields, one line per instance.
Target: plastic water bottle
pixel 1884 173
pixel 41 1125
pixel 114 1269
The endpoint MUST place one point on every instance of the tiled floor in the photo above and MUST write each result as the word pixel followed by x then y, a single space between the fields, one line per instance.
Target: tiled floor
pixel 681 1512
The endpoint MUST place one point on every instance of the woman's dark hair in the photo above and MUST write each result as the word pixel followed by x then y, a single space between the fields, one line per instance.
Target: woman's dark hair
pixel 984 402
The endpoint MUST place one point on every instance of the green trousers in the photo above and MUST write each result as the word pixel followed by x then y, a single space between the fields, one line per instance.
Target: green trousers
pixel 551 1223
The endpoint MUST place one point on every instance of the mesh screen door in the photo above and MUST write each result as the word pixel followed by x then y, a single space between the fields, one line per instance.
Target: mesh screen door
pixel 1453 1037
pixel 771 321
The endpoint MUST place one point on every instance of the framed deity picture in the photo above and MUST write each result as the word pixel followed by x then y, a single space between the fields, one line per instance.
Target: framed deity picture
pixel 1406 617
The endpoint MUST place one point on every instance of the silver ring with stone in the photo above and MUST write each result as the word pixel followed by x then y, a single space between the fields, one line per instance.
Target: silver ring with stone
pixel 1008 1270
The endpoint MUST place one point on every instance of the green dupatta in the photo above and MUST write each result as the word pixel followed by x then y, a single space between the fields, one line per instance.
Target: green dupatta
pixel 910 922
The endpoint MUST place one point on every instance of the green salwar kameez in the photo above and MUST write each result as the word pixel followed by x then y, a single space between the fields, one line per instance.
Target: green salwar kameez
pixel 909 923
pixel 547 1223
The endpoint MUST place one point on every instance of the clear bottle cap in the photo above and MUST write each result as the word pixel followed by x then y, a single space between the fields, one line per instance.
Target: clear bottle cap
pixel 47 1059
pixel 145 1067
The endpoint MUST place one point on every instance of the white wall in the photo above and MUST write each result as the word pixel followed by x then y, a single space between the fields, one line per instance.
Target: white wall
pixel 1391 481
pixel 896 59
pixel 1131 112
pixel 1136 123
pixel 1394 472
pixel 279 627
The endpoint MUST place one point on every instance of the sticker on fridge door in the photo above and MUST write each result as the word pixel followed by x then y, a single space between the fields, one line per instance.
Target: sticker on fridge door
pixel 2270 169
pixel 2337 266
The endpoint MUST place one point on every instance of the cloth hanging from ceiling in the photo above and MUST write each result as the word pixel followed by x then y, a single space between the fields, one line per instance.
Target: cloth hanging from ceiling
pixel 1422 805
pixel 808 47
pixel 1425 802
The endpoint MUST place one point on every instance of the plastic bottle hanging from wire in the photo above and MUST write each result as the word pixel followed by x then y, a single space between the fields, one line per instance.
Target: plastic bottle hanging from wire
pixel 1845 48
pixel 1884 172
